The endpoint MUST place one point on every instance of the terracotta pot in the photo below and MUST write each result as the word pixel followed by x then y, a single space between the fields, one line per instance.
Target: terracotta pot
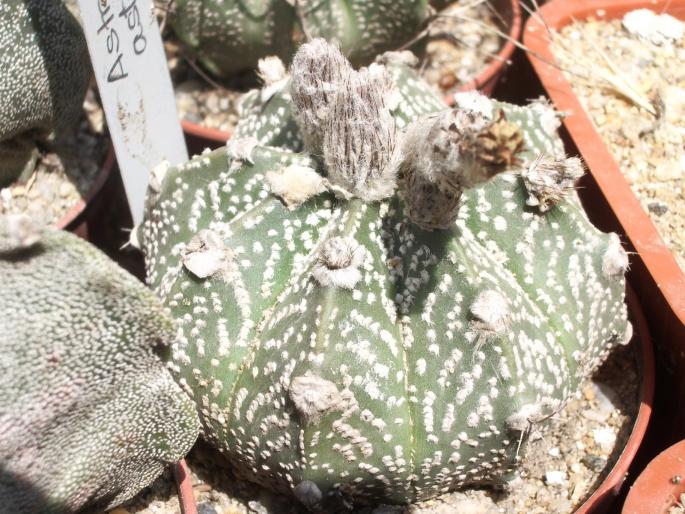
pixel 198 137
pixel 184 486
pixel 660 485
pixel 77 219
pixel 611 203
pixel 605 495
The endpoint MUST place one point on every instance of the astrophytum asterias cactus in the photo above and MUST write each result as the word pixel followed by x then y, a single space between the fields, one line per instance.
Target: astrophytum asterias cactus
pixel 88 412
pixel 45 74
pixel 232 35
pixel 385 318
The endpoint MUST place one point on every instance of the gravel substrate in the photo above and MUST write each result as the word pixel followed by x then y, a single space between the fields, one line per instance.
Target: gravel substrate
pixel 64 174
pixel 471 42
pixel 561 468
pixel 649 147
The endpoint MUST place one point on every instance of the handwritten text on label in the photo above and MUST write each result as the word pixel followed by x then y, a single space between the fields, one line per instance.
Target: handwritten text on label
pixel 117 70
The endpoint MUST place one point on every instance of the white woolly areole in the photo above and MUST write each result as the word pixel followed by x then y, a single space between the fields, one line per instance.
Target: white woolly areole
pixel 206 255
pixel 338 263
pixel 314 396
pixel 550 119
pixel 398 58
pixel 154 185
pixel 18 232
pixel 615 260
pixel 491 311
pixel 627 335
pixel 271 70
pixel 241 148
pixel 522 420
pixel 549 179
pixel 295 184
pixel 476 102
pixel 157 176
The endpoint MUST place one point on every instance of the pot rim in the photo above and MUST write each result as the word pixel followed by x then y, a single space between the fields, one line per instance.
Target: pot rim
pixel 485 80
pixel 610 486
pixel 656 487
pixel 184 485
pixel 74 216
pixel 636 224
pixel 612 483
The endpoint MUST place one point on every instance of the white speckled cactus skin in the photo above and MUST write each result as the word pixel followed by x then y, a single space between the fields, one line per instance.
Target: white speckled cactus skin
pixel 88 413
pixel 45 73
pixel 338 351
pixel 230 36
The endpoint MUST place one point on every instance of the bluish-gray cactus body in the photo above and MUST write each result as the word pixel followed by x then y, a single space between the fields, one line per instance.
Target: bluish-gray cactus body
pixel 230 36
pixel 45 73
pixel 337 350
pixel 88 412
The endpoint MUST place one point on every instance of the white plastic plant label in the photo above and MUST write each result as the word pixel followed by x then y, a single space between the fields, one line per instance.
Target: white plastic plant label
pixel 132 75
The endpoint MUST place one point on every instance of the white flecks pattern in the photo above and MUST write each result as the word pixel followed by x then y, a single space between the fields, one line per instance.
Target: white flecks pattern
pixel 440 338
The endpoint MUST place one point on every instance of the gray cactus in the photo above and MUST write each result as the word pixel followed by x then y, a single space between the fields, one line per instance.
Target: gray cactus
pixel 388 317
pixel 45 74
pixel 230 36
pixel 89 415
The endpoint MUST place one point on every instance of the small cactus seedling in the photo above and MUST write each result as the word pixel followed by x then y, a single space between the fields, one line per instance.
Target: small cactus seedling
pixel 231 36
pixel 388 316
pixel 89 415
pixel 45 74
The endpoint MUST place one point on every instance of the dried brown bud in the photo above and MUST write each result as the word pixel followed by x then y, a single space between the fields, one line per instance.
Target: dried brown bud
pixel 549 179
pixel 499 144
pixel 441 161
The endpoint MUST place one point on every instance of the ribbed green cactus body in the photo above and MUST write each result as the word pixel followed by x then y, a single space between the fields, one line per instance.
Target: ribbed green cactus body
pixel 230 36
pixel 419 366
pixel 88 412
pixel 45 73
pixel 364 29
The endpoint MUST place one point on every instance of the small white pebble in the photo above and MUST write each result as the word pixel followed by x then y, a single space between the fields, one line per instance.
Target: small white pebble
pixel 556 477
pixel 604 437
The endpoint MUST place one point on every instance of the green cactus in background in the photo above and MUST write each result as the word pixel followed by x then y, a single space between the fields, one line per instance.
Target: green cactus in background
pixel 45 74
pixel 88 413
pixel 230 36
pixel 388 316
